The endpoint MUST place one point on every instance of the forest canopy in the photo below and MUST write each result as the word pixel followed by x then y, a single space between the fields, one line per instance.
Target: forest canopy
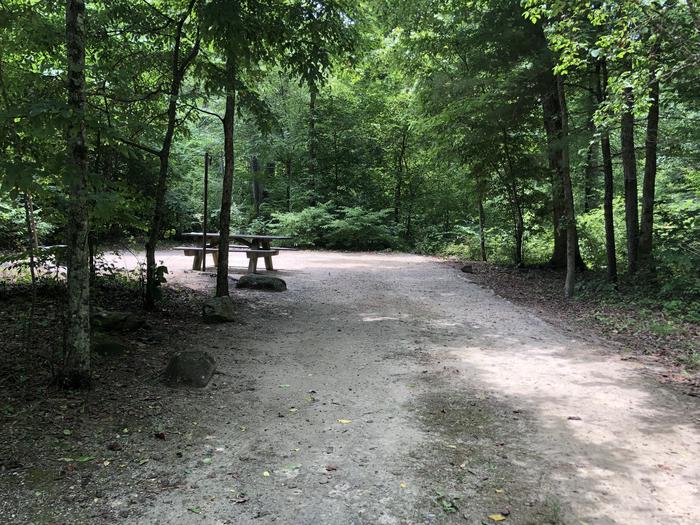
pixel 561 134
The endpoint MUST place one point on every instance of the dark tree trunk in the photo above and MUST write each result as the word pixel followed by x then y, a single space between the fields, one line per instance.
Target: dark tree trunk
pixel 629 166
pixel 178 69
pixel 646 260
pixel 482 224
pixel 289 182
pixel 551 111
pixel 570 214
pixel 313 145
pixel 602 74
pixel 75 367
pixel 227 190
pixel 398 186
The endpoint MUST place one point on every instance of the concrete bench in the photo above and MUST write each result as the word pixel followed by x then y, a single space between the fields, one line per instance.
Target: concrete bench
pixel 196 252
pixel 254 253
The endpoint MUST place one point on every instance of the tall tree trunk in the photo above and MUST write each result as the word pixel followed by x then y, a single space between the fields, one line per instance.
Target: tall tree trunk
pixel 629 166
pixel 482 224
pixel 289 182
pixel 551 111
pixel 313 144
pixel 75 367
pixel 227 191
pixel 571 233
pixel 398 185
pixel 646 260
pixel 602 74
pixel 178 68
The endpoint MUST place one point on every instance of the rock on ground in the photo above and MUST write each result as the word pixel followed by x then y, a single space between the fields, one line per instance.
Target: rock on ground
pixel 219 310
pixel 254 281
pixel 193 368
pixel 108 321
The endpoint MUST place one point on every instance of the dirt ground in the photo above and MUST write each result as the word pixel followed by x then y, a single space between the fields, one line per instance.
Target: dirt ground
pixel 379 389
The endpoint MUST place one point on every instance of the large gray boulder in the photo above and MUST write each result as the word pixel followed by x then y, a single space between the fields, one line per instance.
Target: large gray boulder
pixel 254 281
pixel 113 321
pixel 218 310
pixel 192 368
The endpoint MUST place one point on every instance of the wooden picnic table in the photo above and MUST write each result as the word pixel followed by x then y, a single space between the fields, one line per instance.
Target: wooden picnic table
pixel 254 246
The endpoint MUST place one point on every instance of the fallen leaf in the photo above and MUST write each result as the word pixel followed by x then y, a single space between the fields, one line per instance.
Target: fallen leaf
pixel 266 474
pixel 345 421
pixel 499 491
pixel 83 459
pixel 402 485
pixel 497 517
pixel 284 386
pixel 195 510
pixel 67 432
pixel 293 409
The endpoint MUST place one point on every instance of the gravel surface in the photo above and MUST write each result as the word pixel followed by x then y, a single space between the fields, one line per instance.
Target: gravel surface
pixel 390 389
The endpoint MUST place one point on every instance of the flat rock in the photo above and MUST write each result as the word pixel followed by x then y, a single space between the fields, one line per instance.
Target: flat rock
pixel 254 281
pixel 218 310
pixel 114 321
pixel 191 368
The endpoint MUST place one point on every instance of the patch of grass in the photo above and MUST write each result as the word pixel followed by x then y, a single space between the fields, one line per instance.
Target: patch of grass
pixel 690 360
pixel 663 329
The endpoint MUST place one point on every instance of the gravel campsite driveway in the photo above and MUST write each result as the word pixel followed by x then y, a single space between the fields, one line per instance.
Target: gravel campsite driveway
pixel 390 389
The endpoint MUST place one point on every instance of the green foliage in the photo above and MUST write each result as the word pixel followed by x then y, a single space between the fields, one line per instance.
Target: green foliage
pixel 347 228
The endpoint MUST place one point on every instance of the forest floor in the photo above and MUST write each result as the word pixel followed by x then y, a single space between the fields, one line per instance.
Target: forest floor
pixel 379 389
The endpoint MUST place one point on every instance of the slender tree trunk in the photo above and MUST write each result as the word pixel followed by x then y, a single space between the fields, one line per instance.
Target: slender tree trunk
pixel 313 144
pixel 227 190
pixel 289 182
pixel 602 73
pixel 571 233
pixel 178 69
pixel 629 166
pixel 75 369
pixel 398 186
pixel 482 224
pixel 31 248
pixel 647 223
pixel 552 111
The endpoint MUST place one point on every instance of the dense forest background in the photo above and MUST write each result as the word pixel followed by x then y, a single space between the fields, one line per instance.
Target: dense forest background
pixel 562 134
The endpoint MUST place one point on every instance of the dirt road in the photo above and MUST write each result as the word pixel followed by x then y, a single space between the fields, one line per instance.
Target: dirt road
pixel 389 389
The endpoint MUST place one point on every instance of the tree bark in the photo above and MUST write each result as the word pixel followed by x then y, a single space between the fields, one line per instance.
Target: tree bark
pixel 482 224
pixel 227 189
pixel 629 166
pixel 75 366
pixel 313 144
pixel 178 69
pixel 602 77
pixel 570 214
pixel 646 260
pixel 551 111
pixel 398 185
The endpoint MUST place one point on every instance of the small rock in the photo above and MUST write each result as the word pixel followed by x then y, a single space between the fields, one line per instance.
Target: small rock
pixel 254 281
pixel 218 310
pixel 192 368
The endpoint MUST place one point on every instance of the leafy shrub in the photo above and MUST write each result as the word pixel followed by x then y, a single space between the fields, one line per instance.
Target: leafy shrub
pixel 307 227
pixel 357 228
pixel 349 228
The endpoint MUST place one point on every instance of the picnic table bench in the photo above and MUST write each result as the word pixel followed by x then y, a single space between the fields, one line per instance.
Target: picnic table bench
pixel 253 245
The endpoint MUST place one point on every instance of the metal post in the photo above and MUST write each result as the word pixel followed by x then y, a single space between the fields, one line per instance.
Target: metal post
pixel 204 219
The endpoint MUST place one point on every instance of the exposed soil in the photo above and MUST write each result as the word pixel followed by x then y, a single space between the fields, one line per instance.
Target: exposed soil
pixel 381 388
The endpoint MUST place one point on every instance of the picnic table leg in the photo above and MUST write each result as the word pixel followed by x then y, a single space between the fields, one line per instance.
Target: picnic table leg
pixel 252 263
pixel 215 256
pixel 197 262
pixel 265 245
